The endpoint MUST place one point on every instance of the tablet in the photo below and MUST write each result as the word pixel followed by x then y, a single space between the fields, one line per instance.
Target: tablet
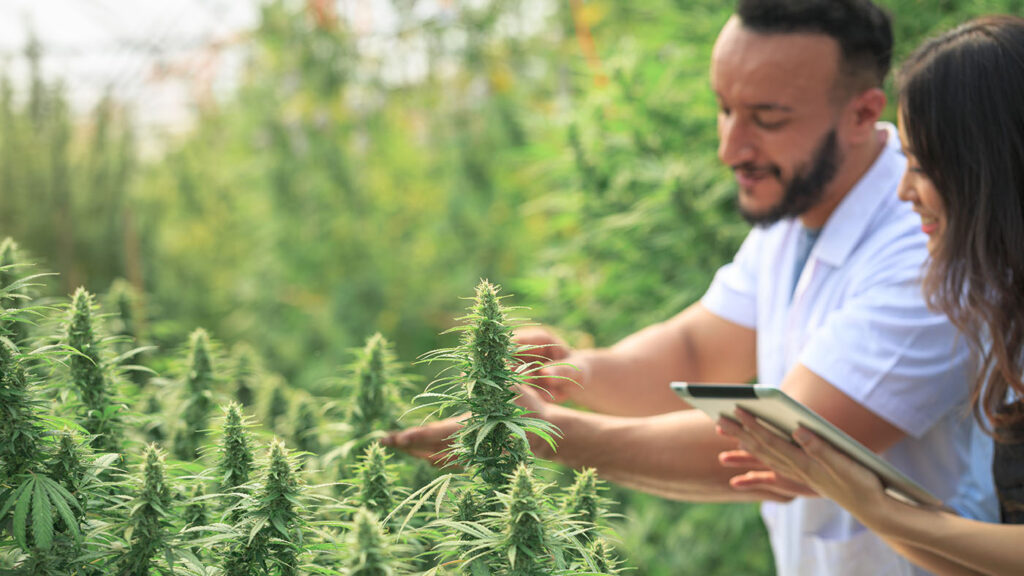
pixel 781 414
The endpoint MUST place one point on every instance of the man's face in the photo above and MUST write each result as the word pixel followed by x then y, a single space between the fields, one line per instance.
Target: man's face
pixel 777 118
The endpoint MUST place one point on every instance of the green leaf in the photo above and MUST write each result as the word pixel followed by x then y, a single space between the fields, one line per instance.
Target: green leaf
pixel 11 500
pixel 21 511
pixel 479 568
pixel 279 524
pixel 42 517
pixel 60 498
pixel 256 527
pixel 481 434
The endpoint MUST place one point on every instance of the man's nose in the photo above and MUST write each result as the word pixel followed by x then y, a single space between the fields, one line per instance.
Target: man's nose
pixel 735 144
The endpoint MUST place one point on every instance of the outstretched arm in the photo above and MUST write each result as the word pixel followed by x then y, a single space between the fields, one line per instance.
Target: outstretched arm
pixel 631 378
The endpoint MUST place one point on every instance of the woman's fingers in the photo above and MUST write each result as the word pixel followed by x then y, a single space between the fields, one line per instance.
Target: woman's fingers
pixel 839 465
pixel 774 449
pixel 741 459
pixel 765 480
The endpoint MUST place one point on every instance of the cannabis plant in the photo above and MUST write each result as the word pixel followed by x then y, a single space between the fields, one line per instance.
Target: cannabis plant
pixel 101 415
pixel 585 505
pixel 44 521
pixel 270 536
pixel 69 468
pixel 375 486
pixel 236 460
pixel 602 557
pixel 369 547
pixel 21 430
pixel 527 545
pixel 197 402
pixel 483 379
pixel 195 516
pixel 149 519
pixel 276 402
pixel 245 371
pixel 123 298
pixel 304 419
pixel 526 534
pixel 11 293
pixel 378 382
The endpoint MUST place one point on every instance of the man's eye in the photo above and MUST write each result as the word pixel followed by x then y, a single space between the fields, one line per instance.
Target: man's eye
pixel 770 123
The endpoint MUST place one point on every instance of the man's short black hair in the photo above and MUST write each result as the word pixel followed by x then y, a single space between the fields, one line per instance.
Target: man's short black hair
pixel 862 29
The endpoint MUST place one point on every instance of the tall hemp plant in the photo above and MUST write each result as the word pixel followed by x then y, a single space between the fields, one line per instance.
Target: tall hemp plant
pixel 270 538
pixel 42 518
pixel 482 379
pixel 236 462
pixel 377 381
pixel 370 550
pixel 148 530
pixel 11 294
pixel 101 413
pixel 124 298
pixel 509 525
pixel 197 401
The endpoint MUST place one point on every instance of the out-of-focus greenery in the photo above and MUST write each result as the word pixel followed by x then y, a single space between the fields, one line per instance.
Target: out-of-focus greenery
pixel 357 183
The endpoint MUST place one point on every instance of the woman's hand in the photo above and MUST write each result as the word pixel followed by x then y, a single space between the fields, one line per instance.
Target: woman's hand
pixel 811 461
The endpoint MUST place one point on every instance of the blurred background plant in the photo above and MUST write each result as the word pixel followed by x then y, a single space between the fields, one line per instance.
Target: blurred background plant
pixel 356 178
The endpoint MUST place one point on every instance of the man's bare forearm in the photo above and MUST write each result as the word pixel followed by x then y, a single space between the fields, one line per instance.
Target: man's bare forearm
pixel 672 455
pixel 632 377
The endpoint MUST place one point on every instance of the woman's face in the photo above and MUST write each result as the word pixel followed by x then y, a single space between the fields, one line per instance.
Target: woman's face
pixel 918 189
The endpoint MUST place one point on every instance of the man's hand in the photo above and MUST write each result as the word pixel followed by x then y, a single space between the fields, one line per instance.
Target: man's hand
pixel 548 359
pixel 429 441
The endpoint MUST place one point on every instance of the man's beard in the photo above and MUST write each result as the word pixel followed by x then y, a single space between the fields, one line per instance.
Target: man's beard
pixel 806 188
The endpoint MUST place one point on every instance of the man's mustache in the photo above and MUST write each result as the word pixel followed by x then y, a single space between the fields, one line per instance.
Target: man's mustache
pixel 754 170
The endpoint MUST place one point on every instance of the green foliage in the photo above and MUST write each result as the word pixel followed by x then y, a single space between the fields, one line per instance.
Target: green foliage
pixel 236 460
pixel 65 188
pixel 149 519
pixel 585 505
pixel 197 402
pixel 376 489
pixel 21 431
pixel 11 297
pixel 482 380
pixel 124 298
pixel 275 401
pixel 378 383
pixel 244 374
pixel 35 504
pixel 69 469
pixel 369 547
pixel 270 537
pixel 304 422
pixel 603 557
pixel 90 376
pixel 195 516
pixel 526 544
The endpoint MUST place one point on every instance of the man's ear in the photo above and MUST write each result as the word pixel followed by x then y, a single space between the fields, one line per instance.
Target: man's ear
pixel 863 112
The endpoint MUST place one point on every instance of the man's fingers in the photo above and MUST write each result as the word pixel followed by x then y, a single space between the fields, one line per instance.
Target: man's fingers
pixel 540 345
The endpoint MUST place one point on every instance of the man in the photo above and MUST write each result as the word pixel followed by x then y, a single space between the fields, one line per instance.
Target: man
pixel 822 299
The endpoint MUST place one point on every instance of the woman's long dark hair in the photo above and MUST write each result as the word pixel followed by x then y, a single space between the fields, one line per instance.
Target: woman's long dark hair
pixel 962 102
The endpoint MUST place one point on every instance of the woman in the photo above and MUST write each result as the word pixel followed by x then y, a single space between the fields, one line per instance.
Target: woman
pixel 961 116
